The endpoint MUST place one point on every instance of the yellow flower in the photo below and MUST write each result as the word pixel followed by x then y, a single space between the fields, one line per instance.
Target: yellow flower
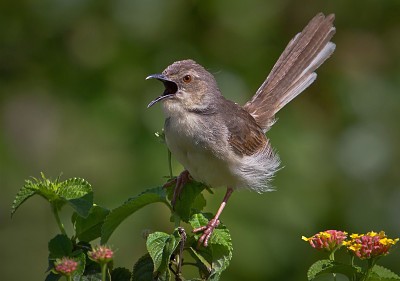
pixel 329 240
pixel 370 245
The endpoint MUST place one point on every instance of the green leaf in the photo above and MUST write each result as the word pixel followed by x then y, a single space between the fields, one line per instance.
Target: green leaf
pixel 380 273
pixel 119 214
pixel 219 251
pixel 60 246
pixel 143 269
pixel 23 194
pixel 53 276
pixel 121 274
pixel 201 261
pixel 89 228
pixel 161 246
pixel 328 266
pixel 190 200
pixel 78 194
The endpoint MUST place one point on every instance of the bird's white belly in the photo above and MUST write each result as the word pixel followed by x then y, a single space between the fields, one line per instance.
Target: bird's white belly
pixel 203 164
pixel 206 168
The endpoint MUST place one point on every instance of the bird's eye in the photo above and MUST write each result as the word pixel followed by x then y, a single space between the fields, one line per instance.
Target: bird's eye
pixel 187 78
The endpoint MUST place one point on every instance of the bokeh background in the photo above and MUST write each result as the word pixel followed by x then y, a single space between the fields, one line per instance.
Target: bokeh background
pixel 73 99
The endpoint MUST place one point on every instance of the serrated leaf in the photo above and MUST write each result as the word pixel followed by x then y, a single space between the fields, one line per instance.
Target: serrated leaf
pixel 161 246
pixel 121 274
pixel 74 188
pixel 190 200
pixel 329 266
pixel 23 194
pixel 219 251
pixel 89 228
pixel 143 269
pixel 380 273
pixel 78 194
pixel 119 214
pixel 60 246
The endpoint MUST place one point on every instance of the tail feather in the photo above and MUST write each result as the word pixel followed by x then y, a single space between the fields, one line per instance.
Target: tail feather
pixel 294 70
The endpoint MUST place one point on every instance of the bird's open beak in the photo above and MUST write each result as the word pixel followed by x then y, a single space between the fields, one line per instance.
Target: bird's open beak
pixel 170 87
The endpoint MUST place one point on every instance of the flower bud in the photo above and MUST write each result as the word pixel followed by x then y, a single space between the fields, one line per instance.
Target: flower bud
pixel 65 266
pixel 101 254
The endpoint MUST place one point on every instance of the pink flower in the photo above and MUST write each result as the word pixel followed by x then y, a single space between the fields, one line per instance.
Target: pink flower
pixel 65 266
pixel 329 240
pixel 101 254
pixel 370 245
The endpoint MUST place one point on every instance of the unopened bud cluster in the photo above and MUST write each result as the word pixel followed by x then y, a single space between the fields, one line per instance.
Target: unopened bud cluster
pixel 101 254
pixel 65 266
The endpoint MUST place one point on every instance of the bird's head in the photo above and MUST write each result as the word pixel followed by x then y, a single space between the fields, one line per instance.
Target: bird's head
pixel 187 86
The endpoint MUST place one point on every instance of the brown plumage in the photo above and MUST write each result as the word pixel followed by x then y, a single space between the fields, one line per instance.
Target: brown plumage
pixel 294 70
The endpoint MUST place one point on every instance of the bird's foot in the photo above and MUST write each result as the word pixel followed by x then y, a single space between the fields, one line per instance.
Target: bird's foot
pixel 180 181
pixel 207 231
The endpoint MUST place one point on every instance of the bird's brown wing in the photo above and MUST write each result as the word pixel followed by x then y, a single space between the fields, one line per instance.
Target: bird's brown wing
pixel 294 70
pixel 245 136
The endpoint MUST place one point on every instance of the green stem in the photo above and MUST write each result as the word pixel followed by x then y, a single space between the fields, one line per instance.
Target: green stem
pixel 69 277
pixel 104 271
pixel 59 223
pixel 170 164
pixel 332 258
pixel 371 263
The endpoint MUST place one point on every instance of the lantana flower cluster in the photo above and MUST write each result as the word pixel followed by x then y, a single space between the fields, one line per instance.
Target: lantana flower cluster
pixel 101 254
pixel 364 246
pixel 65 266
pixel 370 245
pixel 329 240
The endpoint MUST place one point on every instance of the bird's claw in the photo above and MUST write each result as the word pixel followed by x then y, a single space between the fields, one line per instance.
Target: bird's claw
pixel 207 232
pixel 180 181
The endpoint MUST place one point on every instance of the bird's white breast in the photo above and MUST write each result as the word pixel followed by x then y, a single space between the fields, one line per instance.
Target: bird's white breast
pixel 188 137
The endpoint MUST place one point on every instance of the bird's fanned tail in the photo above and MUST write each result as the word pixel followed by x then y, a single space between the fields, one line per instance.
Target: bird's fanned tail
pixel 294 70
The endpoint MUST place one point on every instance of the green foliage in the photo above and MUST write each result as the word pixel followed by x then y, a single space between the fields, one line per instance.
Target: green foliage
pixel 143 269
pixel 161 246
pixel 75 192
pixel 89 228
pixel 380 273
pixel 121 274
pixel 60 246
pixel 329 266
pixel 219 252
pixel 191 200
pixel 119 214
pixel 164 260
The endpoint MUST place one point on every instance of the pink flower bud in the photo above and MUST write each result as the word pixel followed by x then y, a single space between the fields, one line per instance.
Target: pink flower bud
pixel 101 254
pixel 65 266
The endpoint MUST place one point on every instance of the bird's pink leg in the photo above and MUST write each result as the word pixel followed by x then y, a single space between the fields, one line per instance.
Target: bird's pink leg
pixel 213 223
pixel 179 182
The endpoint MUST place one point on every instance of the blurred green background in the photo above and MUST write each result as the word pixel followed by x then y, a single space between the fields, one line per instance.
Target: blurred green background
pixel 73 99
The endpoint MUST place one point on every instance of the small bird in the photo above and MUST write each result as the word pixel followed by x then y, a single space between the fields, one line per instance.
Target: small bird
pixel 221 143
